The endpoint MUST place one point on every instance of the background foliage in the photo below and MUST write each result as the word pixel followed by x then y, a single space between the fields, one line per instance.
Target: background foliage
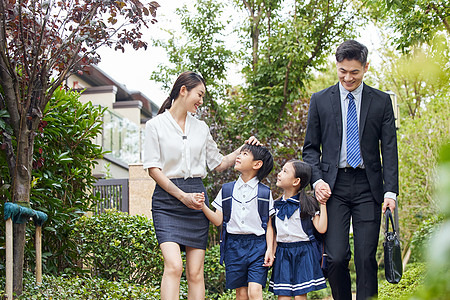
pixel 62 177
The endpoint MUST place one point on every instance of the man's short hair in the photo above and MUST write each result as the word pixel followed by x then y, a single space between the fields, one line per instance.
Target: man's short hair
pixel 352 50
pixel 263 154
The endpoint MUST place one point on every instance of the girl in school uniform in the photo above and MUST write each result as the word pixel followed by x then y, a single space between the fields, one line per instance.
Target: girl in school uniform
pixel 178 148
pixel 296 269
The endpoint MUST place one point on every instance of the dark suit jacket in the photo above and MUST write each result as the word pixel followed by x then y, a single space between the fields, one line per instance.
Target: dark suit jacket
pixel 377 134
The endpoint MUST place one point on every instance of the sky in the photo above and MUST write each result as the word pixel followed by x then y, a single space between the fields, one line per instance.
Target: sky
pixel 133 68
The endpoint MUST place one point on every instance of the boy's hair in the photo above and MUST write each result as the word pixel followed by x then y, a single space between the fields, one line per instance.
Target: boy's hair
pixel 308 204
pixel 352 50
pixel 263 154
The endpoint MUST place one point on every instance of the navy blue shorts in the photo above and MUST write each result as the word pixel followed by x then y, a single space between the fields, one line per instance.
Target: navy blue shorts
pixel 244 259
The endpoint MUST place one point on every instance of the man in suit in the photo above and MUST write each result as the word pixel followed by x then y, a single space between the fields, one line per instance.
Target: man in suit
pixel 349 125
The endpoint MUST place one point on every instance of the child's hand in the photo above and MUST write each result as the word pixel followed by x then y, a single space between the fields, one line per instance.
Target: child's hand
pixel 268 258
pixel 199 199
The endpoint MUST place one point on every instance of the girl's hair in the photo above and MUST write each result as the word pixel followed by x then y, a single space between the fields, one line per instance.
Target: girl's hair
pixel 189 79
pixel 308 204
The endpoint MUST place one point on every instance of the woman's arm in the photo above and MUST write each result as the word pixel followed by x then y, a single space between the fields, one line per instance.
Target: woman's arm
pixel 229 160
pixel 216 217
pixel 321 221
pixel 191 200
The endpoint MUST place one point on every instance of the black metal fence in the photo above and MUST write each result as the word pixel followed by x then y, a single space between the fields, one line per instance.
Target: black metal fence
pixel 114 193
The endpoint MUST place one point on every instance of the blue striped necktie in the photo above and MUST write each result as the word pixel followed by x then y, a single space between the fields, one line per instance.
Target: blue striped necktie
pixel 353 150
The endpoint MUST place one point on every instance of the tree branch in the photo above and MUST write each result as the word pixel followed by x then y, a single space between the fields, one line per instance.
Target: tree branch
pixel 285 91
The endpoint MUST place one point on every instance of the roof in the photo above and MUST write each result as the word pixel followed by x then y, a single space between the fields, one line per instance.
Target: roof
pixel 94 76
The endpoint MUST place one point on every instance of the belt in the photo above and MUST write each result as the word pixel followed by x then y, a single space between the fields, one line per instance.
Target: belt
pixel 350 170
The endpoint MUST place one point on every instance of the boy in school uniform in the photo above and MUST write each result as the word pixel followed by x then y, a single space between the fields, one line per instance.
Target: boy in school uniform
pixel 244 208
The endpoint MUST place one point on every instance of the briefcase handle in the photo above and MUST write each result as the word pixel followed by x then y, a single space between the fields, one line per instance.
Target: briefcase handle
pixel 388 216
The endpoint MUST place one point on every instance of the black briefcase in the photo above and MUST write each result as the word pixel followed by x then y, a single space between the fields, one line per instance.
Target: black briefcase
pixel 393 267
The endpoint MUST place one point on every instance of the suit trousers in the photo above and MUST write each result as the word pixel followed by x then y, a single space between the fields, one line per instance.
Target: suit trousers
pixel 351 198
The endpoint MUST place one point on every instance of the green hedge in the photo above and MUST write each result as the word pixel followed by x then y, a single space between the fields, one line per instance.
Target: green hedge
pixel 83 288
pixel 119 247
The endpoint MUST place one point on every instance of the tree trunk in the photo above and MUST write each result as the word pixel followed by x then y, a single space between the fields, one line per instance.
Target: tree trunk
pixel 18 257
pixel 21 187
pixel 255 12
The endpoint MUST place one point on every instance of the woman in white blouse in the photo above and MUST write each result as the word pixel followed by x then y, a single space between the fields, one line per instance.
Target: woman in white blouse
pixel 178 147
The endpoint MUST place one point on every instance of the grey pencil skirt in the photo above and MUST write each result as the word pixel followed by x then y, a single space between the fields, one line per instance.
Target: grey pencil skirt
pixel 174 221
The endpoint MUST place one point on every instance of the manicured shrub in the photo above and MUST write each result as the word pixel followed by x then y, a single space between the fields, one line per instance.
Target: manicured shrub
pixel 119 247
pixel 84 288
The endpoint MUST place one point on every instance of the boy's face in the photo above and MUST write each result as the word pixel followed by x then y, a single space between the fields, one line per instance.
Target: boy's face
pixel 245 161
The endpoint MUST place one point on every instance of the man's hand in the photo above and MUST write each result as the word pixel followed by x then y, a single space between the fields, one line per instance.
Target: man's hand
pixel 388 202
pixel 322 191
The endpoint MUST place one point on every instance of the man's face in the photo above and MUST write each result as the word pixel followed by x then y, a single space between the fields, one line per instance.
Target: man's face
pixel 351 73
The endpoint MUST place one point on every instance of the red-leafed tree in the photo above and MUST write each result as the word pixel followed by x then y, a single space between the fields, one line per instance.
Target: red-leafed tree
pixel 41 43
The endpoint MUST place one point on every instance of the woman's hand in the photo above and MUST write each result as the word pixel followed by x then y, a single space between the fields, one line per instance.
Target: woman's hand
pixel 252 141
pixel 194 200
pixel 229 160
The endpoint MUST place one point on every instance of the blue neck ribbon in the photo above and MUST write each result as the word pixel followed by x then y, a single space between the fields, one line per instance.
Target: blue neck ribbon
pixel 286 208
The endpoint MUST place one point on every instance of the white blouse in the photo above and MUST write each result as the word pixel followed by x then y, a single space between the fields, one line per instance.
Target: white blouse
pixel 290 230
pixel 178 154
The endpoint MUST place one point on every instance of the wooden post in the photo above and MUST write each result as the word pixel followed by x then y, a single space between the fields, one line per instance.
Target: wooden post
pixel 9 259
pixel 38 245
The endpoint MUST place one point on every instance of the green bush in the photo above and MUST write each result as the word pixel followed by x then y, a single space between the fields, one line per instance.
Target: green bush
pixel 214 272
pixel 120 247
pixel 437 283
pixel 412 279
pixel 83 288
pixel 421 238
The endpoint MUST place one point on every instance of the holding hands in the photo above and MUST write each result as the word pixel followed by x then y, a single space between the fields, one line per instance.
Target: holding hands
pixel 269 258
pixel 194 200
pixel 322 191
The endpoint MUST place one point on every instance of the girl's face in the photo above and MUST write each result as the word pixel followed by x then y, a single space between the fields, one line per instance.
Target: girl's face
pixel 286 177
pixel 194 98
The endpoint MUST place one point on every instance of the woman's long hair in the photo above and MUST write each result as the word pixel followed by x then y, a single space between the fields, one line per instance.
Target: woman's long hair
pixel 308 204
pixel 189 79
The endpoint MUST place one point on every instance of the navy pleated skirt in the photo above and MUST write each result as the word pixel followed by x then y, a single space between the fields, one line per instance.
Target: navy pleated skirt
pixel 174 221
pixel 296 270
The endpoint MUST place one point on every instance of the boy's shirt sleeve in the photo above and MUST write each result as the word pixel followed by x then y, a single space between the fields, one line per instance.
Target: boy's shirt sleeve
pixel 217 203
pixel 271 208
